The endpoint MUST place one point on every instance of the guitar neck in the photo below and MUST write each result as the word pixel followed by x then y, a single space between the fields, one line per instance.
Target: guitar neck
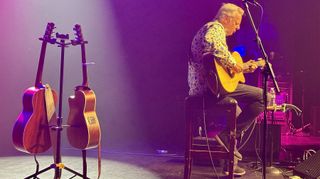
pixel 77 41
pixel 84 65
pixel 45 39
pixel 259 63
pixel 38 82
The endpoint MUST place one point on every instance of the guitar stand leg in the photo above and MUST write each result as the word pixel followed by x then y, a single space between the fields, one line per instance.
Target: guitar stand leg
pixel 76 173
pixel 84 163
pixel 56 166
pixel 62 166
pixel 34 176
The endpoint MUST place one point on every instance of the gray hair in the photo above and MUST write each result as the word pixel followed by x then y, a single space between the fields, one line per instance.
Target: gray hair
pixel 228 10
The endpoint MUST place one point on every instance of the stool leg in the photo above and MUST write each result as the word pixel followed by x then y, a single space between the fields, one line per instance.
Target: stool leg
pixel 232 139
pixel 187 166
pixel 188 157
pixel 231 167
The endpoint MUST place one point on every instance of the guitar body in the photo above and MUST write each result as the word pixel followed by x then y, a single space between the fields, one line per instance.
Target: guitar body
pixel 229 81
pixel 84 130
pixel 31 132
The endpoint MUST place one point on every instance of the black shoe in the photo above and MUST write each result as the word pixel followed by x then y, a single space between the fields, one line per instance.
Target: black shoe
pixel 237 154
pixel 237 171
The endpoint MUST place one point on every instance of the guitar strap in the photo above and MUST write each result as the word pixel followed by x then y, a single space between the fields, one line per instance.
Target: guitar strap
pixel 50 111
pixel 212 79
pixel 50 107
pixel 99 159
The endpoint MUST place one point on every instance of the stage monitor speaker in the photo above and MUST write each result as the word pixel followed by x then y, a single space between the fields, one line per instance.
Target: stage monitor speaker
pixel 310 168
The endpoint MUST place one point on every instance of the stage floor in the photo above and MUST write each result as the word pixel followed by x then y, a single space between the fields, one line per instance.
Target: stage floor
pixel 121 166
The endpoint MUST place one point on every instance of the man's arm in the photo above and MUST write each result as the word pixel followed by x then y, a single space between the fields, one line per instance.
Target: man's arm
pixel 216 37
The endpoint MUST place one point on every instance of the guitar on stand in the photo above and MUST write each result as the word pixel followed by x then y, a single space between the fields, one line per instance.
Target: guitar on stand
pixel 49 96
pixel 84 128
pixel 31 132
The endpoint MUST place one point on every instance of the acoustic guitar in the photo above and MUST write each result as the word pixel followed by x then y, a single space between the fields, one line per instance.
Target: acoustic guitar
pixel 31 132
pixel 229 80
pixel 84 130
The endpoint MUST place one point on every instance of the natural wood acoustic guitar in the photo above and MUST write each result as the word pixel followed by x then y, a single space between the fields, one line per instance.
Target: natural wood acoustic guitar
pixel 31 132
pixel 228 79
pixel 84 130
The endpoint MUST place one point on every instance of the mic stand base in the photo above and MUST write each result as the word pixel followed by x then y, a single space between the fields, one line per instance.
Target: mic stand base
pixel 273 171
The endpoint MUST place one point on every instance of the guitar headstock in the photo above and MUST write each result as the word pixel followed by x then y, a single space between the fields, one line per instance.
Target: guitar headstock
pixel 47 37
pixel 79 37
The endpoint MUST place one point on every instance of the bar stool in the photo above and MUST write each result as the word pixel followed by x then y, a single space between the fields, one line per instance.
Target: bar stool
pixel 198 108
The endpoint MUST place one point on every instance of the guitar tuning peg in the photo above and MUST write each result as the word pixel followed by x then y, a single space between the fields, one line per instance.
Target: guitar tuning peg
pixel 88 63
pixel 75 42
pixel 52 41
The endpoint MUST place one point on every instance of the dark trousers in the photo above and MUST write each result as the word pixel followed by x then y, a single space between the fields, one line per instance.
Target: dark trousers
pixel 250 98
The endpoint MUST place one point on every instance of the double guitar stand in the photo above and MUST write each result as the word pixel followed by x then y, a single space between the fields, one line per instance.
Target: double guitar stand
pixel 58 165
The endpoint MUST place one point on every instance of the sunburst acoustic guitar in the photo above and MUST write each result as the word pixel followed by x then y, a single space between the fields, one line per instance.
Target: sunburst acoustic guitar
pixel 84 129
pixel 31 132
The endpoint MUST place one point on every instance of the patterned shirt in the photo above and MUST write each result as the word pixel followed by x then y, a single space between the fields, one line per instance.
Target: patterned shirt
pixel 210 39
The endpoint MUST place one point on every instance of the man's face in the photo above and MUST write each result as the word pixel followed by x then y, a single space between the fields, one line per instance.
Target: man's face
pixel 232 25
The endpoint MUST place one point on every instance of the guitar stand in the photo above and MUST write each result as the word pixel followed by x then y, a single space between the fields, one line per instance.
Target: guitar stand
pixel 62 166
pixel 58 165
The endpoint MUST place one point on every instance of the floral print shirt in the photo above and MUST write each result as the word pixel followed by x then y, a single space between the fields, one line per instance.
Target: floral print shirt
pixel 211 38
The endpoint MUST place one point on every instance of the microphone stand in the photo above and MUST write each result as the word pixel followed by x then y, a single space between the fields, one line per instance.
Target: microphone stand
pixel 267 72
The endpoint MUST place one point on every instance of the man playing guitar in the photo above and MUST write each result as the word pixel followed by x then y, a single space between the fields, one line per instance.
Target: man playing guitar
pixel 204 79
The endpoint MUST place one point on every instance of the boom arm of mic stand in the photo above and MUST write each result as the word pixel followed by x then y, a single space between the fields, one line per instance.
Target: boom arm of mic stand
pixel 268 67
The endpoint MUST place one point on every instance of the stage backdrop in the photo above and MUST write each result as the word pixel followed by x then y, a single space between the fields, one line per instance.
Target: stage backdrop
pixel 140 50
